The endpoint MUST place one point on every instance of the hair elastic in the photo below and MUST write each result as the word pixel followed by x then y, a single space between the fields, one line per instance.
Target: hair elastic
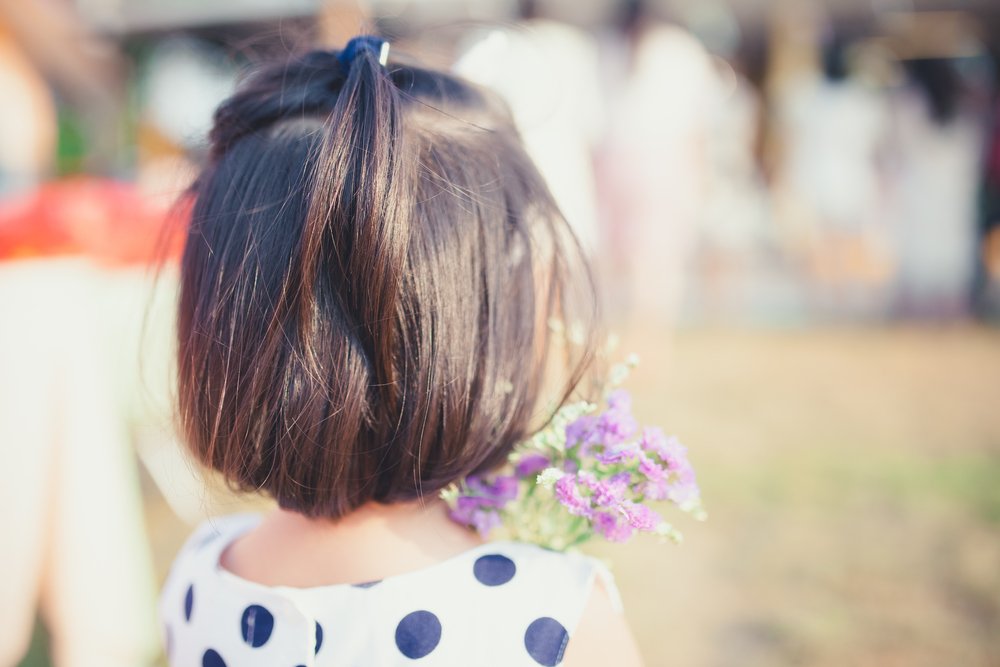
pixel 376 45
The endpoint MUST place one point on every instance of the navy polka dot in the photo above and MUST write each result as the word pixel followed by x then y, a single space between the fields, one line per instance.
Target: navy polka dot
pixel 319 636
pixel 212 659
pixel 546 641
pixel 257 624
pixel 367 584
pixel 188 602
pixel 418 634
pixel 494 570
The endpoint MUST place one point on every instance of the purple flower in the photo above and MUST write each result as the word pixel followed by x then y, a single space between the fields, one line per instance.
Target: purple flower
pixel 621 478
pixel 615 426
pixel 682 472
pixel 611 427
pixel 639 516
pixel 669 450
pixel 602 492
pixel 652 439
pixel 482 499
pixel 497 493
pixel 681 487
pixel 619 399
pixel 684 492
pixel 568 494
pixel 484 521
pixel 604 473
pixel 609 493
pixel 582 432
pixel 675 479
pixel 471 511
pixel 655 486
pixel 612 527
pixel 652 470
pixel 618 453
pixel 531 464
pixel 651 491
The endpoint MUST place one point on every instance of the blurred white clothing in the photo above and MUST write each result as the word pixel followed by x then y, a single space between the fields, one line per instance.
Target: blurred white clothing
pixel 654 168
pixel 548 73
pixel 936 185
pixel 832 133
pixel 70 509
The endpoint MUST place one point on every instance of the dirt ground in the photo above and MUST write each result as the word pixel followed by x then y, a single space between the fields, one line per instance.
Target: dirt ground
pixel 852 479
pixel 853 484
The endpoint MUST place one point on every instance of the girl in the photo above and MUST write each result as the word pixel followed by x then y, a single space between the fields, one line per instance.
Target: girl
pixel 370 267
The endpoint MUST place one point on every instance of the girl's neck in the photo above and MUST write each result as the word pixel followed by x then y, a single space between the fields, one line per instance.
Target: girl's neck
pixel 373 542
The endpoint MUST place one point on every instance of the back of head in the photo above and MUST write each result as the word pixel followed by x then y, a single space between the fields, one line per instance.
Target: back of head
pixel 366 285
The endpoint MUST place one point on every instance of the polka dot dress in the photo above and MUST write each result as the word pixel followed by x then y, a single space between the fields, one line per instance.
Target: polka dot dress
pixel 504 603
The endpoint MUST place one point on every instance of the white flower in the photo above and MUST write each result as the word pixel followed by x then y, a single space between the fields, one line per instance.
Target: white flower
pixel 548 477
pixel 667 532
pixel 449 494
pixel 617 374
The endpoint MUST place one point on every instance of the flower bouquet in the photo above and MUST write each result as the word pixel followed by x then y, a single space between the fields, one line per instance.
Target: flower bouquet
pixel 587 473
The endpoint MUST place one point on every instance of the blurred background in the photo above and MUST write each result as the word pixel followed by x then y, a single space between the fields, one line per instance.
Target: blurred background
pixel 794 208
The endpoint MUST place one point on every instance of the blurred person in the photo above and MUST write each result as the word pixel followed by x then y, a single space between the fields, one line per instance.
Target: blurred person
pixel 548 73
pixel 830 180
pixel 83 67
pixel 27 120
pixel 65 497
pixel 28 129
pixel 372 255
pixel 72 296
pixel 653 166
pixel 76 550
pixel 938 137
pixel 736 244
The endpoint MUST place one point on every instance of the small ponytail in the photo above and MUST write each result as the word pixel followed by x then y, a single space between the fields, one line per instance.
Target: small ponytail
pixel 358 218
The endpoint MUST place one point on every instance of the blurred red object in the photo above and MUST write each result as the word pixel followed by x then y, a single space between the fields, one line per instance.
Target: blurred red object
pixel 111 221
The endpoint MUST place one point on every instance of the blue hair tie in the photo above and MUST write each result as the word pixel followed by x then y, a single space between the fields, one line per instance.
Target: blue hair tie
pixel 376 45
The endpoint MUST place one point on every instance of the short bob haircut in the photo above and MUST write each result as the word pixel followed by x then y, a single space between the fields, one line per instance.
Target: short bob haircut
pixel 366 286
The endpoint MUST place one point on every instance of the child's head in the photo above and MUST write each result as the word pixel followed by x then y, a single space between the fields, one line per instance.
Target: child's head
pixel 370 267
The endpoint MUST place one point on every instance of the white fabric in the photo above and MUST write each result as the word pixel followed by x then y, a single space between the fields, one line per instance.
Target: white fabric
pixel 484 612
pixel 75 544
pixel 548 74
pixel 935 184
pixel 654 169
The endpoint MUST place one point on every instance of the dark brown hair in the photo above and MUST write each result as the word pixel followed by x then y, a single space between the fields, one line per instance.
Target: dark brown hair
pixel 370 267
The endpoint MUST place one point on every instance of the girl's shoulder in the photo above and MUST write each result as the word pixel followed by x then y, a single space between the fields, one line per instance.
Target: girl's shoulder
pixel 503 602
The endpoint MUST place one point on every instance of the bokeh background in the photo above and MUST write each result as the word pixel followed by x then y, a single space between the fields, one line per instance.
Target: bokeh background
pixel 794 208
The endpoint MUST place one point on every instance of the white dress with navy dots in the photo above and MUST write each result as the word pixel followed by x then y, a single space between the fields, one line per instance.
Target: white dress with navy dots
pixel 500 604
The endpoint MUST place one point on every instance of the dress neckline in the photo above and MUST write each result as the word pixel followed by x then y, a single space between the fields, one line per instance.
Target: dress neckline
pixel 246 522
